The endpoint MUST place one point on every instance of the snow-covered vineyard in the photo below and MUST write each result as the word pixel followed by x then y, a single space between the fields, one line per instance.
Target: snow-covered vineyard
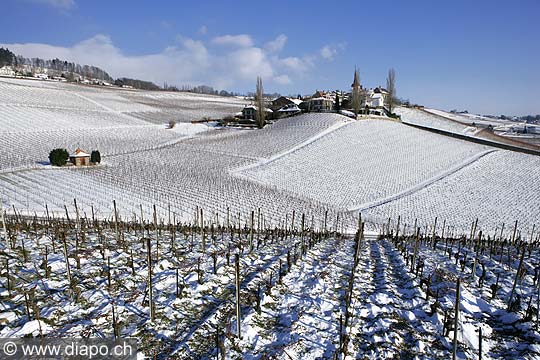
pixel 286 199
pixel 234 290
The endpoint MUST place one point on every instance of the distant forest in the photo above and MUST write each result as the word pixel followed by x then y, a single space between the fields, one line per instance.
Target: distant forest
pixel 70 70
pixel 56 66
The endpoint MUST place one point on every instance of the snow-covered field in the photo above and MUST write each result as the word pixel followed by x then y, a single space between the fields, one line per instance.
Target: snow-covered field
pixel 424 118
pixel 486 189
pixel 155 107
pixel 31 149
pixel 310 163
pixel 364 162
pixel 303 295
pixel 472 125
pixel 257 190
pixel 470 118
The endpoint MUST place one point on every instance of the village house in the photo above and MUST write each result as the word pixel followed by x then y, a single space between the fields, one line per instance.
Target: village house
pixel 80 158
pixel 284 106
pixel 249 112
pixel 374 101
pixel 288 110
pixel 379 96
pixel 7 71
pixel 320 101
pixel 282 102
pixel 377 101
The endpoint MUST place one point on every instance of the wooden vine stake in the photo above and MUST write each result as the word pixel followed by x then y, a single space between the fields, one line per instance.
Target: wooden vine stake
pixel 67 262
pixel 434 233
pixel 325 220
pixel 251 231
pixel 157 235
pixel 150 292
pixel 397 227
pixel 115 324
pixel 48 218
pixel 476 255
pixel 203 236
pixel 516 278
pixel 238 310
pixel 538 307
pixel 415 249
pixel 3 213
pixel 514 233
pixel 116 233
pixel 480 343
pixel 77 218
pixel 142 221
pixel 456 316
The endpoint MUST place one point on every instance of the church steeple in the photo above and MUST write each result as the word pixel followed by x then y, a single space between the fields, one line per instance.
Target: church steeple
pixel 356 81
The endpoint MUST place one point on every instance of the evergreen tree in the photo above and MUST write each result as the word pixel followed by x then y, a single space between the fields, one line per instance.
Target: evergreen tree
pixel 58 157
pixel 391 88
pixel 6 57
pixel 259 100
pixel 95 157
pixel 337 105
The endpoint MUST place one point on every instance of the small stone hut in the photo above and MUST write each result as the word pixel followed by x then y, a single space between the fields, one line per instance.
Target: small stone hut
pixel 80 158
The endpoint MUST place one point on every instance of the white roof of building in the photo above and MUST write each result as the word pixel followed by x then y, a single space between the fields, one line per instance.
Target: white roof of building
pixel 255 108
pixel 321 98
pixel 288 108
pixel 297 101
pixel 79 153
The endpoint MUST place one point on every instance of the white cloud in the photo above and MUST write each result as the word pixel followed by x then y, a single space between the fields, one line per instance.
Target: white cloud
pixel 61 4
pixel 277 44
pixel 188 62
pixel 329 52
pixel 282 79
pixel 182 64
pixel 294 63
pixel 242 40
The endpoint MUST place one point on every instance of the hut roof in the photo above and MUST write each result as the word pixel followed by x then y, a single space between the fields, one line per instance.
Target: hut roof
pixel 79 153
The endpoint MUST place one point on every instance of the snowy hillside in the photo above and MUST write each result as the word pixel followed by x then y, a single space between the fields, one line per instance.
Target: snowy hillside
pixel 103 105
pixel 364 162
pixel 470 118
pixel 309 163
pixel 427 119
pixel 285 201
pixel 149 165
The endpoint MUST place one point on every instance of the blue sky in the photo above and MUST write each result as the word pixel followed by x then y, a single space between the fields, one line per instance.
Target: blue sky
pixel 481 56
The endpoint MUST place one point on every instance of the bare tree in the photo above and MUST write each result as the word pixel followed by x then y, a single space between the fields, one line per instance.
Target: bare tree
pixel 259 101
pixel 391 88
pixel 356 95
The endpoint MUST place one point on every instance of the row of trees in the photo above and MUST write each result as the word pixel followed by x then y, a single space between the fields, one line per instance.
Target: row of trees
pixel 200 89
pixel 137 84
